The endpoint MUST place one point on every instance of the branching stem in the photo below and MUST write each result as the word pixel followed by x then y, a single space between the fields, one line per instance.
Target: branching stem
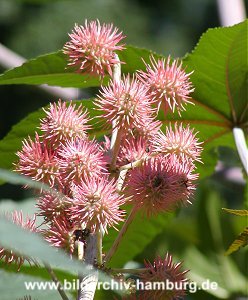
pixel 55 279
pixel 120 235
pixel 99 247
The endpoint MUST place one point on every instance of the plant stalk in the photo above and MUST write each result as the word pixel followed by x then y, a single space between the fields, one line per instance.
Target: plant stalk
pixel 124 169
pixel 99 247
pixel 116 135
pixel 116 147
pixel 88 282
pixel 240 142
pixel 120 235
pixel 55 279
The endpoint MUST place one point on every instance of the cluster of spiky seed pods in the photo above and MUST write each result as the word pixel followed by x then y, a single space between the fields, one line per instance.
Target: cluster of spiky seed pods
pixel 137 164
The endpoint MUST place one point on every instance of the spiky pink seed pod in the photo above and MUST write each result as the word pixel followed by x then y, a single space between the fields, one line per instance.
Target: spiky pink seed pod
pixel 168 84
pixel 63 122
pixel 132 149
pixel 125 104
pixel 160 185
pixel 60 233
pixel 179 141
pixel 80 159
pixel 146 129
pixel 9 256
pixel 38 161
pixel 164 270
pixel 51 207
pixel 96 204
pixel 92 47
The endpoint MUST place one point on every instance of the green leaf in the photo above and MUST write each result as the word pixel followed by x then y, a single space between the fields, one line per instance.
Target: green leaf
pixel 30 244
pixel 18 179
pixel 216 61
pixel 236 74
pixel 12 142
pixel 240 241
pixel 206 269
pixel 201 270
pixel 12 287
pixel 132 58
pixel 26 205
pixel 52 69
pixel 139 234
pixel 47 69
pixel 237 212
pixel 29 273
pixel 211 233
pixel 220 75
pixel 31 270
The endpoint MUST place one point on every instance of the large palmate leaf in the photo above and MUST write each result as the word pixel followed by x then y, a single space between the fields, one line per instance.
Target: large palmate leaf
pixel 220 73
pixel 49 69
pixel 52 69
pixel 220 80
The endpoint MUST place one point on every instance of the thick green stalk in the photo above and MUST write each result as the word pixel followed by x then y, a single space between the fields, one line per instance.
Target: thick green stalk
pixel 239 138
pixel 120 235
